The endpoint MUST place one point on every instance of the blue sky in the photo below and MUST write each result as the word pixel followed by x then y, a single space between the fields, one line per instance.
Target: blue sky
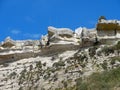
pixel 29 19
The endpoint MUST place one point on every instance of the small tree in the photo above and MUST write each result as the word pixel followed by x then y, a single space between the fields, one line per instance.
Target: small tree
pixel 102 17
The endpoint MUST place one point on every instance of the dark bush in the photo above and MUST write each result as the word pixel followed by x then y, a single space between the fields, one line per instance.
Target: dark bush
pixel 102 17
pixel 59 64
pixel 114 59
pixel 117 46
pixel 92 51
pixel 107 50
pixel 106 80
pixel 104 65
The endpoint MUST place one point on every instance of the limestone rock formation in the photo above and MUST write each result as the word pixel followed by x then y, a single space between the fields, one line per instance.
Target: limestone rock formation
pixel 62 32
pixel 78 32
pixel 108 28
pixel 8 43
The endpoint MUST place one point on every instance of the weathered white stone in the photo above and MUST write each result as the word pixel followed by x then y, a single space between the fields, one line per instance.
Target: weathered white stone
pixel 44 40
pixel 60 31
pixel 78 32
pixel 108 21
pixel 85 32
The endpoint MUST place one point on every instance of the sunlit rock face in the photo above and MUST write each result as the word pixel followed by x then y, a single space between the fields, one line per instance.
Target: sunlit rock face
pixel 48 72
pixel 108 28
pixel 8 43
pixel 62 32
pixel 62 36
pixel 8 39
pixel 66 34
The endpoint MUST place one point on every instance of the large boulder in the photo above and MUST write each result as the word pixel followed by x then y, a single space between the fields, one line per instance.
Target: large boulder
pixel 78 32
pixel 8 39
pixel 51 31
pixel 28 43
pixel 85 32
pixel 8 43
pixel 82 32
pixel 44 40
pixel 62 32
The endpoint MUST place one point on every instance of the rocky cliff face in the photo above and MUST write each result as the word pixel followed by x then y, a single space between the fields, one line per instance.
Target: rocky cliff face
pixel 59 70
pixel 61 60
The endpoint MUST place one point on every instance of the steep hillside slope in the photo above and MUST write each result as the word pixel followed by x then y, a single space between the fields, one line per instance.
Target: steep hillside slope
pixel 65 70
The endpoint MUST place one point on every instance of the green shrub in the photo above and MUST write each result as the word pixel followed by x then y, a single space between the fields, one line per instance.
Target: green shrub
pixel 92 51
pixel 80 58
pixel 104 65
pixel 59 64
pixel 80 85
pixel 114 59
pixel 5 65
pixel 39 65
pixel 117 46
pixel 102 17
pixel 107 50
pixel 20 88
pixel 106 80
pixel 12 75
pixel 65 84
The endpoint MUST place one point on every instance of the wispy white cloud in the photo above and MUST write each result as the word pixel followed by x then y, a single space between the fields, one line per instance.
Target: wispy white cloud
pixel 15 31
pixel 29 19
pixel 29 35
pixel 92 22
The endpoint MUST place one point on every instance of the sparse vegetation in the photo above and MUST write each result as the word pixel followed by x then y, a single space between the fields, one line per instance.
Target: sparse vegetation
pixel 92 51
pixel 59 64
pixel 12 75
pixel 104 65
pixel 107 50
pixel 117 46
pixel 102 17
pixel 5 65
pixel 108 80
pixel 114 59
pixel 80 58
pixel 69 73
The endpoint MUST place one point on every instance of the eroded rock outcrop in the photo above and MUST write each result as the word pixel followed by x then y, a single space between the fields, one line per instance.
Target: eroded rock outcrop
pixel 62 32
pixel 8 43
